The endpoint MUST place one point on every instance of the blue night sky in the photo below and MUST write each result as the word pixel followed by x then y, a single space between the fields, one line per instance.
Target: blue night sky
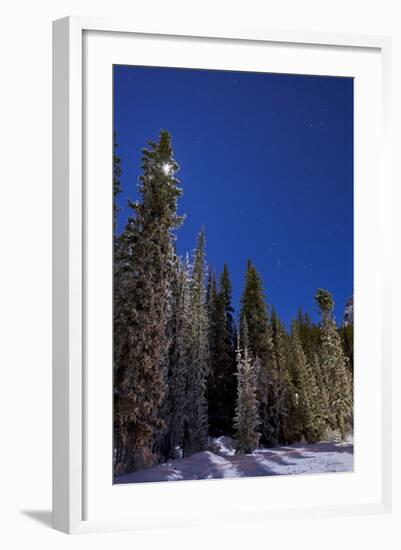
pixel 266 165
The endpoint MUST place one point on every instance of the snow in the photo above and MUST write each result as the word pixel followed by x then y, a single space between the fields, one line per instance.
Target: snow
pixel 224 466
pixel 323 457
pixel 300 460
pixel 225 445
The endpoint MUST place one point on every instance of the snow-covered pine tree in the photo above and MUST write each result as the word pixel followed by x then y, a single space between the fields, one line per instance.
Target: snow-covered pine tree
pixel 305 402
pixel 246 419
pixel 298 405
pixel 118 316
pixel 214 321
pixel 347 338
pixel 180 357
pixel 145 265
pixel 196 422
pixel 116 180
pixel 254 308
pixel 211 298
pixel 221 379
pixel 309 334
pixel 280 381
pixel 334 366
pixel 322 400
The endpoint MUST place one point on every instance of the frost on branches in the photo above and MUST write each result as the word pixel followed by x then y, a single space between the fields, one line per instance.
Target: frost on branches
pixel 246 420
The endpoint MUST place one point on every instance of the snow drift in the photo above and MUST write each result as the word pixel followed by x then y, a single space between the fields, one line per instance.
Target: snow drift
pixel 323 457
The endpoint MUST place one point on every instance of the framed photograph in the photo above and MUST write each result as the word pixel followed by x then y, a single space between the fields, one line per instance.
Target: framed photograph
pixel 220 221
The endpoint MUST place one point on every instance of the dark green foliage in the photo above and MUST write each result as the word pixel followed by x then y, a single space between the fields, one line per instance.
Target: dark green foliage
pixel 221 379
pixel 309 335
pixel 196 422
pixel 254 308
pixel 325 301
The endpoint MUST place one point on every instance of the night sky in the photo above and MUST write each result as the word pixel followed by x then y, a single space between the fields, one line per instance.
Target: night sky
pixel 266 164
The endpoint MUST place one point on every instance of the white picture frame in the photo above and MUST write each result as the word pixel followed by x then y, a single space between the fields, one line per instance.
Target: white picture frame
pixel 70 252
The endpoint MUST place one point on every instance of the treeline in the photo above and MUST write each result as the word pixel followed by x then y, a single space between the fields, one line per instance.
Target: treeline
pixel 185 369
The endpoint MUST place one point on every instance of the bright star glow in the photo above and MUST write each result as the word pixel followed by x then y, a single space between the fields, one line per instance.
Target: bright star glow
pixel 166 168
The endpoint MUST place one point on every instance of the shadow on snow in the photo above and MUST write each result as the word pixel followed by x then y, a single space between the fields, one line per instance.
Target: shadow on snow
pixel 263 462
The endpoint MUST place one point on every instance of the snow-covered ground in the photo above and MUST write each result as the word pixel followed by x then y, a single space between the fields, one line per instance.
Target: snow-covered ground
pixel 320 457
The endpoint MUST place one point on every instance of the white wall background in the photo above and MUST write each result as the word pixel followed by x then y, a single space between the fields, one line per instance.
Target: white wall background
pixel 25 217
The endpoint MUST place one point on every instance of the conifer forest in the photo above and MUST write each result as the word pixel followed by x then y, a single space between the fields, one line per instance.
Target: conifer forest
pixel 202 390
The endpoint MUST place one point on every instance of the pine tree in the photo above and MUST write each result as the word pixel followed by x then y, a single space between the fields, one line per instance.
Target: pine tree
pixel 221 379
pixel 334 366
pixel 280 382
pixel 228 360
pixel 211 290
pixel 309 415
pixel 226 294
pixel 309 334
pixel 347 338
pixel 146 264
pixel 246 420
pixel 196 424
pixel 215 323
pixel 118 312
pixel 180 357
pixel 254 309
pixel 116 181
pixel 322 398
